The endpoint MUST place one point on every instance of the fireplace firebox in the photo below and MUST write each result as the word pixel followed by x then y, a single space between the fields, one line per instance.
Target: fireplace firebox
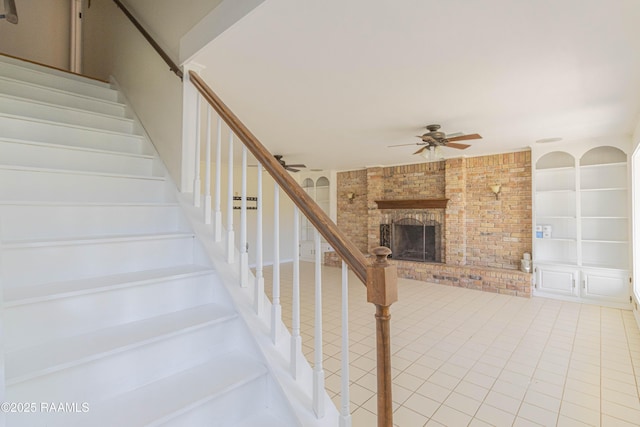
pixel 412 240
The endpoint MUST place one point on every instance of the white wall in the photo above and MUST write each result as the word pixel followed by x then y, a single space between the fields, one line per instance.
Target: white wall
pixel 286 210
pixel 168 20
pixel 42 33
pixel 113 47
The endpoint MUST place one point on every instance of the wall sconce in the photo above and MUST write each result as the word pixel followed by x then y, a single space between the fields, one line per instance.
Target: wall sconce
pixel 351 196
pixel 496 189
pixel 10 12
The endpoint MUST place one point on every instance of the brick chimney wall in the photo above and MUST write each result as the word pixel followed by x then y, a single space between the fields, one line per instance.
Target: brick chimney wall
pixel 483 236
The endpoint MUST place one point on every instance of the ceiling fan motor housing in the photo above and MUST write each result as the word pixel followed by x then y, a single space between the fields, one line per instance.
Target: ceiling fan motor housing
pixel 435 133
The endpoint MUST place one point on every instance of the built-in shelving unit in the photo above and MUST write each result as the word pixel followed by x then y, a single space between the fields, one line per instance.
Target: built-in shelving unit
pixel 321 189
pixel 581 218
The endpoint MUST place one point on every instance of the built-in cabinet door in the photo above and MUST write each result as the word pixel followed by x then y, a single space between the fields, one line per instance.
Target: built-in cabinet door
pixel 307 251
pixel 605 285
pixel 556 280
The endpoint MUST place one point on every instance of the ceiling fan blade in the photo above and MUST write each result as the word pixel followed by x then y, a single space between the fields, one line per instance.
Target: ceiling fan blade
pixel 404 145
pixel 422 149
pixel 457 146
pixel 465 137
pixel 292 169
pixel 297 166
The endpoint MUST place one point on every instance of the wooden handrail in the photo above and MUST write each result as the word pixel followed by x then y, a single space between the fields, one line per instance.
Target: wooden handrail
pixel 321 221
pixel 172 65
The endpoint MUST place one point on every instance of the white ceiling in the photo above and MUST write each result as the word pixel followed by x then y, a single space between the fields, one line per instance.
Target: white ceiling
pixel 333 83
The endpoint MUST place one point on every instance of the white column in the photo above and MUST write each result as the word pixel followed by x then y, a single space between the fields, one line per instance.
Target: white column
pixel 207 182
pixel 217 219
pixel 196 177
pixel 345 410
pixel 231 243
pixel 258 294
pixel 276 309
pixel 244 250
pixel 318 372
pixel 296 339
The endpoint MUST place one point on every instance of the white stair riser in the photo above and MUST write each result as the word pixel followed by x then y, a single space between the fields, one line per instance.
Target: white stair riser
pixel 58 82
pixel 33 222
pixel 38 110
pixel 38 265
pixel 123 371
pixel 55 96
pixel 53 133
pixel 227 409
pixel 72 158
pixel 75 315
pixel 71 187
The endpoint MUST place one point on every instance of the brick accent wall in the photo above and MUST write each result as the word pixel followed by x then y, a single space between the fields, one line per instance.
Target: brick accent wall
pixel 484 237
pixel 375 191
pixel 352 215
pixel 498 231
pixel 456 212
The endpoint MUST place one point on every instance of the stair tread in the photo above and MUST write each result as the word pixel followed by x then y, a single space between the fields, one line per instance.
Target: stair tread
pixel 262 419
pixel 172 396
pixel 27 363
pixel 49 291
pixel 94 239
pixel 70 125
pixel 75 148
pixel 55 89
pixel 40 68
pixel 86 204
pixel 65 107
pixel 80 172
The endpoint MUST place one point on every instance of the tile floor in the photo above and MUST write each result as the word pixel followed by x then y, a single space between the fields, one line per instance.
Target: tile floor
pixel 468 358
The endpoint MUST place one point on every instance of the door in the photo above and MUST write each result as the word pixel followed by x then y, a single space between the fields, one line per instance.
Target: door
pixel 605 285
pixel 556 280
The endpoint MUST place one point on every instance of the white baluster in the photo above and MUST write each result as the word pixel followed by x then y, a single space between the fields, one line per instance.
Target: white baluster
pixel 231 242
pixel 258 296
pixel 244 250
pixel 217 220
pixel 318 372
pixel 196 178
pixel 345 410
pixel 207 182
pixel 276 309
pixel 296 339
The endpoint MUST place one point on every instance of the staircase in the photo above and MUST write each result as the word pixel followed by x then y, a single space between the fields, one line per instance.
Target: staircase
pixel 112 313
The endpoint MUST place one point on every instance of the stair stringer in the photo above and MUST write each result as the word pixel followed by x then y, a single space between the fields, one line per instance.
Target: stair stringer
pixel 277 356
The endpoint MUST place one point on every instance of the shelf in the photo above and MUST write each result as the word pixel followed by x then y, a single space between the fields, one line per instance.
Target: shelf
pixel 604 266
pixel 605 165
pixel 555 191
pixel 604 241
pixel 555 217
pixel 605 217
pixel 555 239
pixel 604 189
pixel 551 170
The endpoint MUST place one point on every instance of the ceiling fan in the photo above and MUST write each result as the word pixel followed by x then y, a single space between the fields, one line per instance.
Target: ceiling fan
pixel 437 138
pixel 292 168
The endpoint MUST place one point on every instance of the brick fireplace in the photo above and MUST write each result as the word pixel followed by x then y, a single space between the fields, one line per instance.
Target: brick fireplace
pixel 480 240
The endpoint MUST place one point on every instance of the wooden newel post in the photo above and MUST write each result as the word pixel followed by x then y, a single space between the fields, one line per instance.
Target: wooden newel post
pixel 382 290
